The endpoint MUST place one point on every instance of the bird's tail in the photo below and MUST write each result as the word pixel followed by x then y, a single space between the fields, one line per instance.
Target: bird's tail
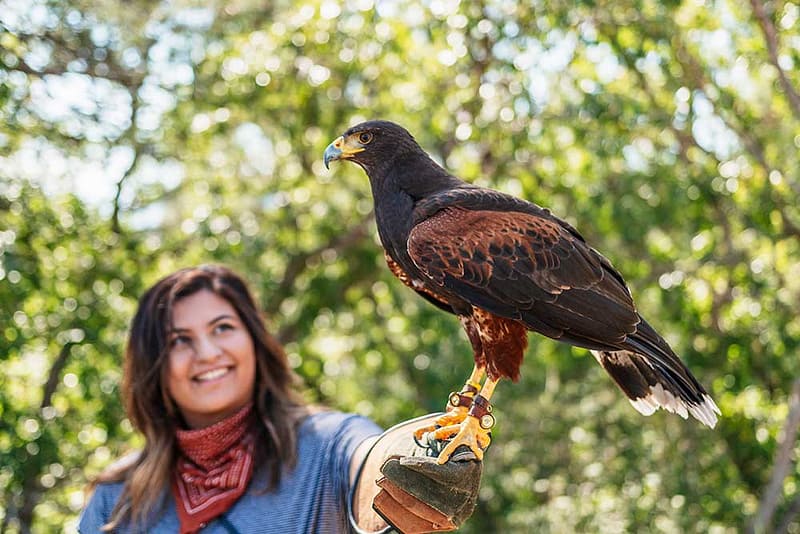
pixel 653 377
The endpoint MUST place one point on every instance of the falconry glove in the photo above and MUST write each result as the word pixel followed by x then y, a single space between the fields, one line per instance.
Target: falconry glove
pixel 416 493
pixel 419 495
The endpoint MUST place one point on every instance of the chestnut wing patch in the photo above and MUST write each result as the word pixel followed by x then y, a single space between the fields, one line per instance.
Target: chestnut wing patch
pixel 417 285
pixel 526 267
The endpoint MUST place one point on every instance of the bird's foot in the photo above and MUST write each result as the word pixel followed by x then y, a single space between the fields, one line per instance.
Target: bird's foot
pixel 469 433
pixel 456 411
pixel 474 431
pixel 449 420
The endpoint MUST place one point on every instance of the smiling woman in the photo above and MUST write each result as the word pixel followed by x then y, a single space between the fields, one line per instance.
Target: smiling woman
pixel 230 446
pixel 211 359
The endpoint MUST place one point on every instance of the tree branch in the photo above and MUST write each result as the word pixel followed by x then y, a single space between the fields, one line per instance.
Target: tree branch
pixel 116 75
pixel 788 517
pixel 32 488
pixel 790 228
pixel 297 264
pixel 55 374
pixel 771 38
pixel 115 225
pixel 69 51
pixel 685 140
pixel 139 149
pixel 699 79
pixel 783 462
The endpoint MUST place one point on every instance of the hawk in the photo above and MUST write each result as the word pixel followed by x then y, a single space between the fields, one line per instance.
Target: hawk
pixel 505 266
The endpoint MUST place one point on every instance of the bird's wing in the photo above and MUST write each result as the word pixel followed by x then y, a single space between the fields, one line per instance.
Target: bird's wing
pixel 527 266
pixel 421 289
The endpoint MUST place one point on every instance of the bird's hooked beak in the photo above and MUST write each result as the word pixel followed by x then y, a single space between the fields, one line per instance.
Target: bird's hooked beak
pixel 340 149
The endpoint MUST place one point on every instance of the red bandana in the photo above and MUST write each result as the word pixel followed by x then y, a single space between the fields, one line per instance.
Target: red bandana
pixel 214 468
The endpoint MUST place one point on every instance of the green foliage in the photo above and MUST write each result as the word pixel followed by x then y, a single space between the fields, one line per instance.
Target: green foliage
pixel 141 137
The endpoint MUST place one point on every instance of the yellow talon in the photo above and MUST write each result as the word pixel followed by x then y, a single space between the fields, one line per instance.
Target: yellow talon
pixel 449 419
pixel 471 434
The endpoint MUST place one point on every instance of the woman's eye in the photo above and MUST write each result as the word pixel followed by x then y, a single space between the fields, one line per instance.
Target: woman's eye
pixel 178 341
pixel 365 137
pixel 223 327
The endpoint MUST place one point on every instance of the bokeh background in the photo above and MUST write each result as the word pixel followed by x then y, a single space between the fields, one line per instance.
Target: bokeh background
pixel 137 137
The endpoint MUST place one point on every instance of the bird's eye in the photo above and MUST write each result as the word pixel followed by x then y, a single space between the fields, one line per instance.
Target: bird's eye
pixel 364 137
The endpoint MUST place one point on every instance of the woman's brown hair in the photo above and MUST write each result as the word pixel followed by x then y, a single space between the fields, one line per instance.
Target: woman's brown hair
pixel 153 413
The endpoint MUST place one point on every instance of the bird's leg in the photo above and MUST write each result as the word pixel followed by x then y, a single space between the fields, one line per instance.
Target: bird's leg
pixel 474 430
pixel 457 404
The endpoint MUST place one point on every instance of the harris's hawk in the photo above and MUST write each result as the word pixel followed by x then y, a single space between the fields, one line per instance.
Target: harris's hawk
pixel 505 266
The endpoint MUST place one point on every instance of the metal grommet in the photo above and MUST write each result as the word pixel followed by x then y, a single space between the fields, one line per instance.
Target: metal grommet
pixel 454 400
pixel 487 421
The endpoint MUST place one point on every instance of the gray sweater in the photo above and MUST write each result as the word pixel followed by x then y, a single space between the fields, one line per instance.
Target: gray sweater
pixel 311 498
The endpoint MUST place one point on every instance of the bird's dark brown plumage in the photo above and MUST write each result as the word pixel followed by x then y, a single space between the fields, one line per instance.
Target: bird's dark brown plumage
pixel 505 266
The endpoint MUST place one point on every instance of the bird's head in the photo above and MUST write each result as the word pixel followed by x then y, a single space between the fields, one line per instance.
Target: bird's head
pixel 391 158
pixel 372 145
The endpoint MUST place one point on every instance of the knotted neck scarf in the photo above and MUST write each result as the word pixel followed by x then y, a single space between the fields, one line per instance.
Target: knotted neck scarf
pixel 213 470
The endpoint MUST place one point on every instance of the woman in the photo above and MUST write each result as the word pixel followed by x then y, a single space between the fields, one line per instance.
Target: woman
pixel 230 446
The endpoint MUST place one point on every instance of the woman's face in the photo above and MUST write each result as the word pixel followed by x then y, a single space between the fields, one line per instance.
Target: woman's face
pixel 212 361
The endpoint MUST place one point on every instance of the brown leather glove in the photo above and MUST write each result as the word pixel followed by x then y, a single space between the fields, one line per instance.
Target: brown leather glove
pixel 418 495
